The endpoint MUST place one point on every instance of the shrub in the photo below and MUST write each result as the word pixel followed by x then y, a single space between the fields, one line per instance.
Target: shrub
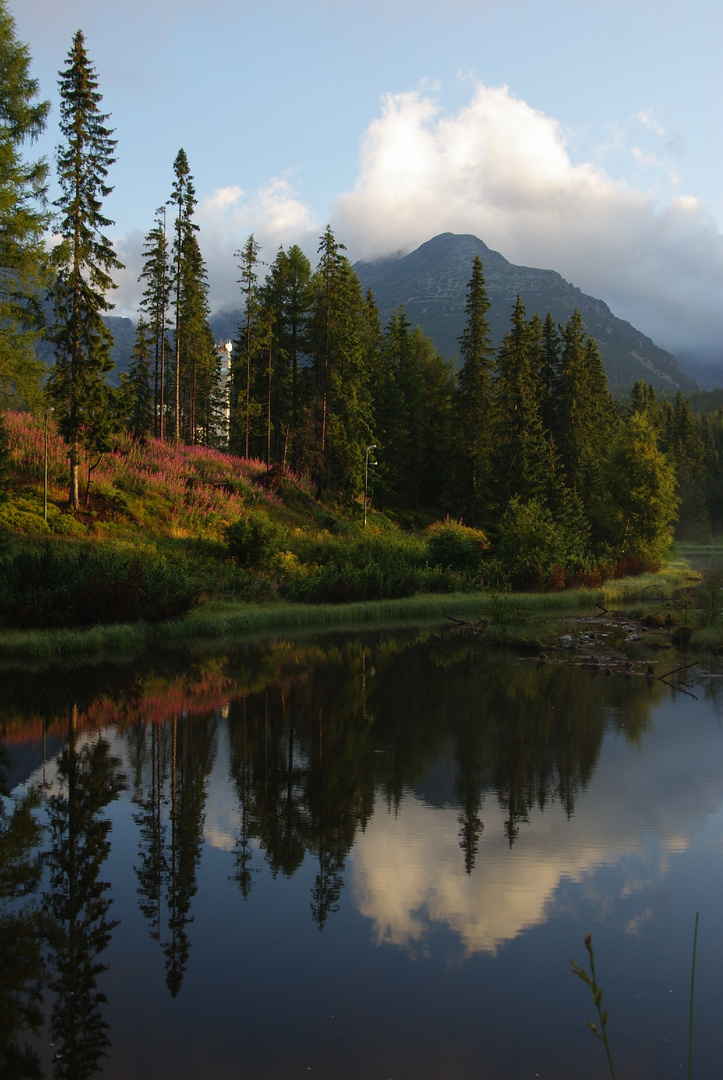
pixel 252 540
pixel 455 546
pixel 534 549
pixel 60 583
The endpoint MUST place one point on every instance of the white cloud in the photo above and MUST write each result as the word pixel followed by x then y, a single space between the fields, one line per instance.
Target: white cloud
pixel 502 170
pixel 646 118
pixel 275 214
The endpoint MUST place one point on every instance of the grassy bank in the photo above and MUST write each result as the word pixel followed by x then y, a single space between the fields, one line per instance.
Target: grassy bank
pixel 510 618
pixel 176 544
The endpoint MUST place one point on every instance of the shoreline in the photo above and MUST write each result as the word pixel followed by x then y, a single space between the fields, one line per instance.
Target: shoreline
pixel 511 617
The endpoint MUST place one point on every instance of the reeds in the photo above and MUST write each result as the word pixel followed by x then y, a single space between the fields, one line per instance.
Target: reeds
pixel 600 1030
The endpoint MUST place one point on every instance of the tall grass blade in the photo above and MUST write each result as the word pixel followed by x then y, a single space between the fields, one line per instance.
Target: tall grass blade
pixel 692 998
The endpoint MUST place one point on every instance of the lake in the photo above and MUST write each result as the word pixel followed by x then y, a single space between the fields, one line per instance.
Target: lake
pixel 359 856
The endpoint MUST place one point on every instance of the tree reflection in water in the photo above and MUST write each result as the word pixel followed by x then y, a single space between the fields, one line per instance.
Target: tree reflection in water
pixel 171 764
pixel 21 941
pixel 77 902
pixel 320 732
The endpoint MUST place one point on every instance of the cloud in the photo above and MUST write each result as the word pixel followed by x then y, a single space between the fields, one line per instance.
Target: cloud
pixel 646 118
pixel 503 170
pixel 408 873
pixel 274 213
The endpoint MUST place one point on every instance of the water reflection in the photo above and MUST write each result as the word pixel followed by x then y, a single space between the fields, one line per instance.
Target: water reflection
pixel 77 902
pixel 413 779
pixel 21 959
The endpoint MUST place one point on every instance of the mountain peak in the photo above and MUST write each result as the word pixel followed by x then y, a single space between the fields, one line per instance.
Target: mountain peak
pixel 431 283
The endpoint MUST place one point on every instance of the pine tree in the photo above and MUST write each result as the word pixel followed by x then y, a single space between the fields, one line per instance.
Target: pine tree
pixel 84 259
pixel 156 273
pixel 584 417
pixel 244 409
pixel 474 400
pixel 135 386
pixel 23 217
pixel 524 463
pixel 286 297
pixel 338 409
pixel 183 198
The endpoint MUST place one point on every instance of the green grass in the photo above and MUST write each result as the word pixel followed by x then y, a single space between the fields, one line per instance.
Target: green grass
pixel 515 618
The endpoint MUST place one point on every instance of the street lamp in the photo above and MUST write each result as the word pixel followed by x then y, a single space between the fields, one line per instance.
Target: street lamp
pixel 372 446
pixel 45 474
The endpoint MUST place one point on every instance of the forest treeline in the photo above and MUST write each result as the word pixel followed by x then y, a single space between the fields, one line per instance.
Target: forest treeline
pixel 523 442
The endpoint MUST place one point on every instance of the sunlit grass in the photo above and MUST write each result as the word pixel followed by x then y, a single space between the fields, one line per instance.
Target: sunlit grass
pixel 513 618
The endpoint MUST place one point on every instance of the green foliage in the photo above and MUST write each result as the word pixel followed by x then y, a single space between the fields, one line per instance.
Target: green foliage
pixel 455 546
pixel 474 399
pixel 252 540
pixel 84 261
pixel 135 397
pixel 23 219
pixel 4 457
pixel 637 505
pixel 533 547
pixel 60 583
pixel 154 304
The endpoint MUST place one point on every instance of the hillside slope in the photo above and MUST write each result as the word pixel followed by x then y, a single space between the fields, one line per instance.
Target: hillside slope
pixel 431 283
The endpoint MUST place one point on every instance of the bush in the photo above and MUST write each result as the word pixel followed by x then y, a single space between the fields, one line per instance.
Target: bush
pixel 61 584
pixel 455 546
pixel 252 540
pixel 534 549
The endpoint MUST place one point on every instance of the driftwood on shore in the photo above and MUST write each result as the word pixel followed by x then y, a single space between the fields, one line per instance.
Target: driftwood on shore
pixel 579 653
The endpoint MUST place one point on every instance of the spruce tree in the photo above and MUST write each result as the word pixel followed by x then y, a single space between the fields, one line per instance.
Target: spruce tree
pixel 585 412
pixel 23 217
pixel 244 408
pixel 196 349
pixel 285 296
pixel 474 400
pixel 136 390
pixel 183 198
pixel 154 304
pixel 4 456
pixel 524 463
pixel 636 505
pixel 339 403
pixel 83 260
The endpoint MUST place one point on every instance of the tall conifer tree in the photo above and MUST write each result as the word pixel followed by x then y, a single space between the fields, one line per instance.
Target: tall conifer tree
pixel 84 259
pixel 522 461
pixel 243 406
pixel 339 405
pixel 156 274
pixel 585 411
pixel 136 387
pixel 474 399
pixel 183 199
pixel 23 216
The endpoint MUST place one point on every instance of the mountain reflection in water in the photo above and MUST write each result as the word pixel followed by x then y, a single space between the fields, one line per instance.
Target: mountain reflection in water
pixel 454 819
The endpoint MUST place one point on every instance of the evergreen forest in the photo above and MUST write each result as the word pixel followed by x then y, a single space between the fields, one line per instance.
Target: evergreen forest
pixel 515 465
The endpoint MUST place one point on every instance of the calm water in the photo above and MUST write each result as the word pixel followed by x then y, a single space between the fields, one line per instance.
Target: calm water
pixel 358 857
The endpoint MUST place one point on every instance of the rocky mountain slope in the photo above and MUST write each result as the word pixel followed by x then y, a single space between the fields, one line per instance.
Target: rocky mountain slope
pixel 431 283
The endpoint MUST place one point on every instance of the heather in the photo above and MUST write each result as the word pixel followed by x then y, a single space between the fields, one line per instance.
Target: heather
pixel 168 488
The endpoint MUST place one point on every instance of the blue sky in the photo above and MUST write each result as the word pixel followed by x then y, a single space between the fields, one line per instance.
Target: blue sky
pixel 579 135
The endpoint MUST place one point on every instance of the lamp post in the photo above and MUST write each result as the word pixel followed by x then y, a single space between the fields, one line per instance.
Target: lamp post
pixel 372 446
pixel 45 472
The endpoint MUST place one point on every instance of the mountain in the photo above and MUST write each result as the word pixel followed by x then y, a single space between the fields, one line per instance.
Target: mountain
pixel 431 283
pixel 124 336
